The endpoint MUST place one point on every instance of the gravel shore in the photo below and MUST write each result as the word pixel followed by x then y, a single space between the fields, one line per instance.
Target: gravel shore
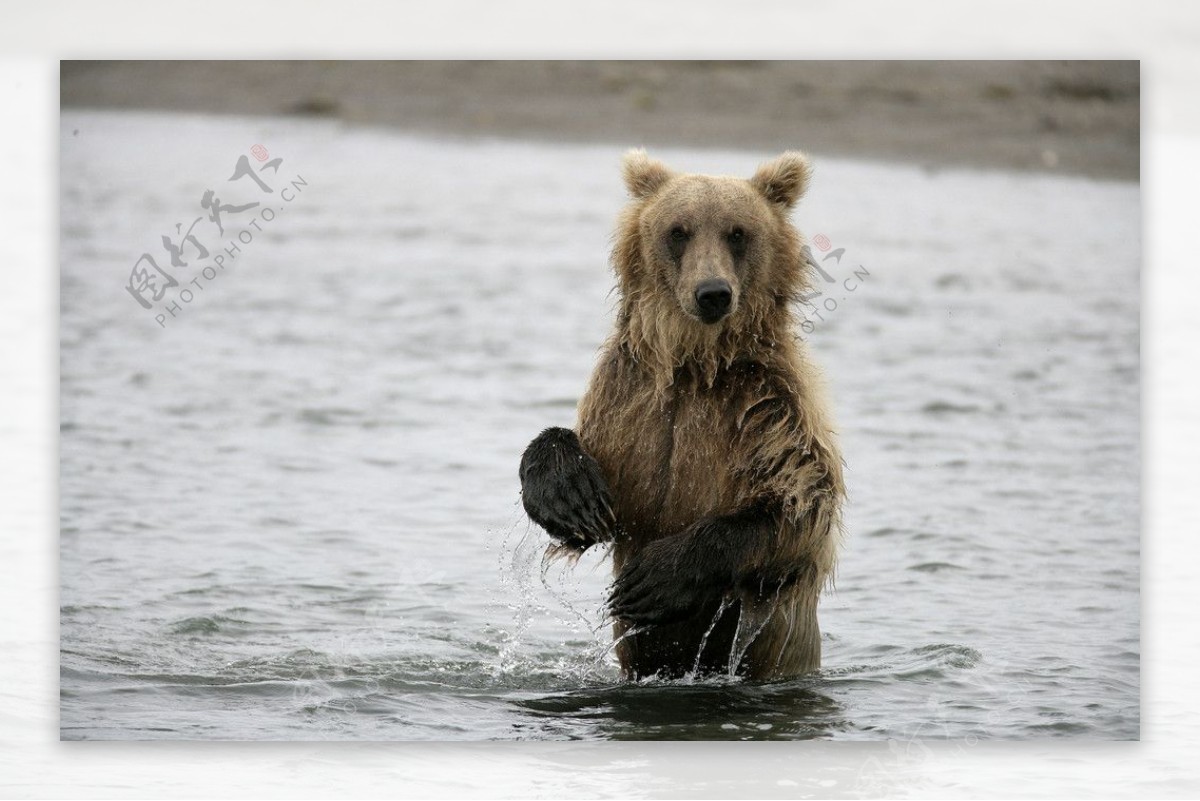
pixel 1079 117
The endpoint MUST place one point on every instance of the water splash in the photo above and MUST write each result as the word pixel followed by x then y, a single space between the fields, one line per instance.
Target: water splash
pixel 612 646
pixel 552 595
pixel 789 612
pixel 752 619
pixel 549 558
pixel 516 565
pixel 726 602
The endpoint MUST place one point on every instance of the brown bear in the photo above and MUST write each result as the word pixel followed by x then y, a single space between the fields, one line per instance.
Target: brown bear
pixel 704 452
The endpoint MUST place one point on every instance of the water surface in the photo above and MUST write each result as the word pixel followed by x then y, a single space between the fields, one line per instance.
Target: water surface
pixel 292 512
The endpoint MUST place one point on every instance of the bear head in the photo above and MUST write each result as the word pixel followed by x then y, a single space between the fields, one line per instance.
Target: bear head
pixel 707 263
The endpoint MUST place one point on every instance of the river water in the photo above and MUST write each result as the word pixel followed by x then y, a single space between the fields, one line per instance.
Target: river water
pixel 289 510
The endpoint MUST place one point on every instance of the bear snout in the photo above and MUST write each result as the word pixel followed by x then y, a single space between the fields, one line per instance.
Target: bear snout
pixel 713 299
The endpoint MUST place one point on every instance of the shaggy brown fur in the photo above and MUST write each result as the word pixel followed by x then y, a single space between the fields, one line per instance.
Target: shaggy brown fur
pixel 713 438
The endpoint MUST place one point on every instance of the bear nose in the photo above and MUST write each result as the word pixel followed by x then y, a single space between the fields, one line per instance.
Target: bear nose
pixel 713 297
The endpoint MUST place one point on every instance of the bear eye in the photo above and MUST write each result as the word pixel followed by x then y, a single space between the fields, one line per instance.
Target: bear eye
pixel 737 236
pixel 678 234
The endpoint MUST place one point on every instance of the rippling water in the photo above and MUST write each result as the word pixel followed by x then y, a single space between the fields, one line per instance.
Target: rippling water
pixel 292 512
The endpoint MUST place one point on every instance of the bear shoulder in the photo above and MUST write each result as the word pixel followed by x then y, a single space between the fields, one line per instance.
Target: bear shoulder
pixel 783 432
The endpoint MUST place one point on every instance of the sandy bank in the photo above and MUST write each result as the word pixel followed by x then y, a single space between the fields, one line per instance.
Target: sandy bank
pixel 1067 116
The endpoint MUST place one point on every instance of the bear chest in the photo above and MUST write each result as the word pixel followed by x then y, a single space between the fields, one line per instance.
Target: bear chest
pixel 670 458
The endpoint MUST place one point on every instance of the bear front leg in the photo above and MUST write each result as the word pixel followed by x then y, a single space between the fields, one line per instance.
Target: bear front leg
pixel 676 577
pixel 564 491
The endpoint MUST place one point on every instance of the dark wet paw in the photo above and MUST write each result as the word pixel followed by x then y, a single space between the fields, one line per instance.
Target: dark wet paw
pixel 564 491
pixel 658 585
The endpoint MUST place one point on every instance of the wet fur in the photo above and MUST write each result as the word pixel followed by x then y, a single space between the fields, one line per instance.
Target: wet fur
pixel 714 441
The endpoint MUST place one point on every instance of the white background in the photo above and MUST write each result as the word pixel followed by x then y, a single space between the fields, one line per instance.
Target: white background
pixel 1165 36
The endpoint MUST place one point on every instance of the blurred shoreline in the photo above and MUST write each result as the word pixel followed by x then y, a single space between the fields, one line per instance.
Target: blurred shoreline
pixel 1072 117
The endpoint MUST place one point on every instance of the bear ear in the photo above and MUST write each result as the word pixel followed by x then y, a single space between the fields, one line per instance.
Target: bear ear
pixel 643 175
pixel 784 180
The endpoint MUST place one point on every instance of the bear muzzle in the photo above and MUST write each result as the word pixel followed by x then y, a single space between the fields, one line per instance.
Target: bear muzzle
pixel 714 299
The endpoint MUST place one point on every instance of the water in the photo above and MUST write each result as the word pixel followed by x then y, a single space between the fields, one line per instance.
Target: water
pixel 292 513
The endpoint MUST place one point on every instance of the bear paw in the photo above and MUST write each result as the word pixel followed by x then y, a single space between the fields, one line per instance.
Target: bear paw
pixel 564 491
pixel 660 584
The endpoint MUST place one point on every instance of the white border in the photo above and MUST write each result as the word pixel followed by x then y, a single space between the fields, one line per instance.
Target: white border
pixel 34 764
